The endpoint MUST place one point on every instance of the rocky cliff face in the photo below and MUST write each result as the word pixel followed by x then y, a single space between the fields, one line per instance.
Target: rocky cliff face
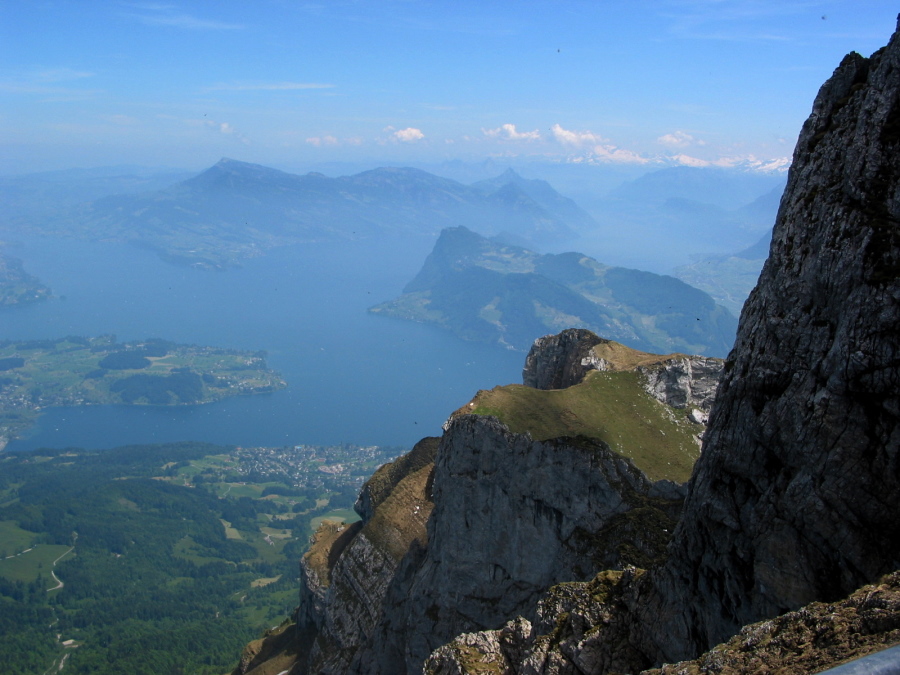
pixel 560 361
pixel 395 505
pixel 808 640
pixel 348 571
pixel 685 382
pixel 469 533
pixel 796 496
pixel 512 517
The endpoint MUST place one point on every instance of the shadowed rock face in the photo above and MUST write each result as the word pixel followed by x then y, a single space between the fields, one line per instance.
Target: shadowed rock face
pixel 559 361
pixel 797 494
pixel 512 517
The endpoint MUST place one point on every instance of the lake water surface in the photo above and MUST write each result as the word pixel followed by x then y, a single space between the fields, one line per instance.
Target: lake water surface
pixel 353 377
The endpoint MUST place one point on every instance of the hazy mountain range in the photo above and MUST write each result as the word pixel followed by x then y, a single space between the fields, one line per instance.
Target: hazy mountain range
pixel 235 209
pixel 674 217
pixel 44 194
pixel 686 221
pixel 728 278
pixel 656 220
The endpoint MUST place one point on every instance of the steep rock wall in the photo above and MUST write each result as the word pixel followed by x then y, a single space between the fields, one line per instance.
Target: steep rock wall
pixel 362 572
pixel 797 495
pixel 559 361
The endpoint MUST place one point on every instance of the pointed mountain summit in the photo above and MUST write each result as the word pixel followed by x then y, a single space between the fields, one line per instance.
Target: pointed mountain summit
pixel 544 195
pixel 230 174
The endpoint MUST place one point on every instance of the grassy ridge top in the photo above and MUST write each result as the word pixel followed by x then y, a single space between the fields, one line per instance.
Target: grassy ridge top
pixel 621 357
pixel 610 406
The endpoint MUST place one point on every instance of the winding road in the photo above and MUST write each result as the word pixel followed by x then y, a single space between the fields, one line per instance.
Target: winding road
pixel 59 583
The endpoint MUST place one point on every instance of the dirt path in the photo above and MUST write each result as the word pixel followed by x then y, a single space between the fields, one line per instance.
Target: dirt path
pixel 59 583
pixel 19 553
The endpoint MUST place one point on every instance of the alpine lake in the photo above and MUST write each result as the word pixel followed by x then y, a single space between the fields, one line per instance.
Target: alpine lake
pixel 353 377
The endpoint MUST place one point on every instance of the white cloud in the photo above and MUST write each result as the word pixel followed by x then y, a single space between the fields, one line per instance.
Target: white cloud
pixel 611 153
pixel 224 128
pixel 164 15
pixel 508 132
pixel 60 74
pixel 687 160
pixel 122 120
pixel 575 138
pixel 677 139
pixel 270 86
pixel 408 135
pixel 319 141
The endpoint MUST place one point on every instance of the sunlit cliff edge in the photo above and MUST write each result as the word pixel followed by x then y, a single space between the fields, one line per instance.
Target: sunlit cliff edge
pixel 500 550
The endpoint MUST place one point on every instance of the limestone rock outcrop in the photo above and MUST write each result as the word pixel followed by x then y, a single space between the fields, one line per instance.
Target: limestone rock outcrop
pixel 809 640
pixel 559 361
pixel 684 381
pixel 678 380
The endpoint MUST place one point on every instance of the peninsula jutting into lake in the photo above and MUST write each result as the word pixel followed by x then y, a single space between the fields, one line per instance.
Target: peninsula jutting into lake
pixel 75 371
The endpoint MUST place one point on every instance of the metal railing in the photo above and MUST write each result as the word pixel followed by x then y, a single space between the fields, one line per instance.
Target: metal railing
pixel 885 662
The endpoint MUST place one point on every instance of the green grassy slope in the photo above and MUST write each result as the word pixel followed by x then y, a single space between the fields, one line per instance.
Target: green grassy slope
pixel 610 406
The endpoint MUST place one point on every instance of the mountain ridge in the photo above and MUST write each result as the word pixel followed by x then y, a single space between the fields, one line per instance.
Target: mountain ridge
pixel 234 210
pixel 433 518
pixel 488 291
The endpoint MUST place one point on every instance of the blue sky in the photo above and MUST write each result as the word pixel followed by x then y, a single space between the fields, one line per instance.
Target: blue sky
pixel 282 83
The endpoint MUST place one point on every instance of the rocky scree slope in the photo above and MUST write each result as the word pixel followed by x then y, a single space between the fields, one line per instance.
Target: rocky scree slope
pixel 466 534
pixel 796 497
